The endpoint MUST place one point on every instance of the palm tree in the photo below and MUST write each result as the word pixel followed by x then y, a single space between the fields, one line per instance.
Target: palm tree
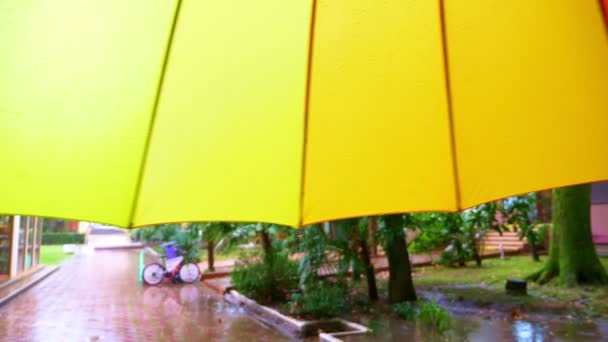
pixel 212 234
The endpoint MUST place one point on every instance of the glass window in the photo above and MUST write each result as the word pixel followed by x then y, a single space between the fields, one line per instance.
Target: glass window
pixel 6 227
pixel 38 243
pixel 22 248
pixel 31 239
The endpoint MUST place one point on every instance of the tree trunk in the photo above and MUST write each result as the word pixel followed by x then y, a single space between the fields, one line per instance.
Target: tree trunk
pixel 370 275
pixel 578 261
pixel 459 255
pixel 210 256
pixel 356 274
pixel 372 227
pixel 572 254
pixel 267 247
pixel 476 253
pixel 533 249
pixel 535 255
pixel 400 285
pixel 332 230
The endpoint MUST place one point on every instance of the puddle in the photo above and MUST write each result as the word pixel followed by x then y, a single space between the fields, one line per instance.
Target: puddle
pixel 480 329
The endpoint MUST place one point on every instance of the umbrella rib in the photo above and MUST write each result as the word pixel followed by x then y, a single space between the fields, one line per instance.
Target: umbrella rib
pixel 448 88
pixel 152 121
pixel 311 38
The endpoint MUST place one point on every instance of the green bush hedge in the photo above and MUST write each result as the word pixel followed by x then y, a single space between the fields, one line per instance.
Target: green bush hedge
pixel 62 238
pixel 322 301
pixel 267 282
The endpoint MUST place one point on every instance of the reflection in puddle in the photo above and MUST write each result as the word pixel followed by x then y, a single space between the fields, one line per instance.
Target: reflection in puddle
pixel 526 331
pixel 490 329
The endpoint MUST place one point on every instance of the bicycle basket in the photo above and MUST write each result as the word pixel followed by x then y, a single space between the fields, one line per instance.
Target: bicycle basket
pixel 171 250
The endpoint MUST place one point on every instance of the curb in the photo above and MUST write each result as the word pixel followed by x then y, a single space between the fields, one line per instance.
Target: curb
pixel 21 277
pixel 119 247
pixel 36 278
pixel 292 327
pixel 214 275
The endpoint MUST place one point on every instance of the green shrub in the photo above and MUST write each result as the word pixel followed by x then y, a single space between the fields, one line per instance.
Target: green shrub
pixel 406 310
pixel 321 301
pixel 456 254
pixel 266 282
pixel 253 281
pixel 62 238
pixel 429 313
pixel 427 242
pixel 432 235
pixel 433 314
pixel 541 233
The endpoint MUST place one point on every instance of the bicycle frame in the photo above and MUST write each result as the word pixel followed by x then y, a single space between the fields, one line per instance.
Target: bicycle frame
pixel 173 265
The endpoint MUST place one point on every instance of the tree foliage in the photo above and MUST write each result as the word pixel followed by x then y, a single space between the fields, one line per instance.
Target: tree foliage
pixel 477 223
pixel 521 214
pixel 213 233
pixel 431 236
pixel 188 241
pixel 349 250
pixel 266 282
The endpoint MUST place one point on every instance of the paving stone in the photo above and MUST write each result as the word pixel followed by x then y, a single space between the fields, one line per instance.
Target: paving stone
pixel 97 297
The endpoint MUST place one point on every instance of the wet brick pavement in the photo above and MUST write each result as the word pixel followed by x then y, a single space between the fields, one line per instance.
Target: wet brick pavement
pixel 96 296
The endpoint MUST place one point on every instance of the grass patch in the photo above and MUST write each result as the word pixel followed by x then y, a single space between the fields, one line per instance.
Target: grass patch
pixel 481 292
pixel 52 255
pixel 493 272
pixel 490 290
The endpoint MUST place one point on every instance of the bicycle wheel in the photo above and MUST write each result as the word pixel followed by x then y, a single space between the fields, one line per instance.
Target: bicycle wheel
pixel 153 274
pixel 189 272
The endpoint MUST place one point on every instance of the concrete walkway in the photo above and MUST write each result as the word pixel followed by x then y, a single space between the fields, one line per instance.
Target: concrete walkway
pixel 96 296
pixel 106 237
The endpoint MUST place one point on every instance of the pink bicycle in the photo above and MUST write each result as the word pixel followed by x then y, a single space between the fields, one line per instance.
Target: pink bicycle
pixel 174 267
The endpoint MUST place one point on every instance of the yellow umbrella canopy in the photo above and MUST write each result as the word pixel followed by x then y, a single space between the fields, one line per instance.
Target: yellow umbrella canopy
pixel 148 111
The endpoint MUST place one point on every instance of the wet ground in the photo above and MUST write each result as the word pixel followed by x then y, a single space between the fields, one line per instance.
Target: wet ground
pixel 481 329
pixel 96 296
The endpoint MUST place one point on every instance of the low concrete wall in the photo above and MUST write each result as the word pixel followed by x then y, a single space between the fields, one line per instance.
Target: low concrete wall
pixel 271 317
pixel 292 327
pixel 15 287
